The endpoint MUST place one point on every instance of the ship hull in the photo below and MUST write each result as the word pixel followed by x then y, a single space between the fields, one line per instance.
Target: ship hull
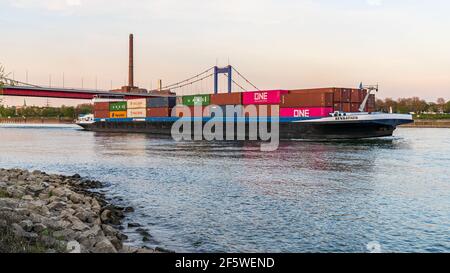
pixel 324 128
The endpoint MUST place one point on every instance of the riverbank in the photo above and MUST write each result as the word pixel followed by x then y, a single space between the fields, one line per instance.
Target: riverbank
pixel 48 213
pixel 36 121
pixel 428 123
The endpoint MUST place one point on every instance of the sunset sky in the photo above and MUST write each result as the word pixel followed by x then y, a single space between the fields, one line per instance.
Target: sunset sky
pixel 401 44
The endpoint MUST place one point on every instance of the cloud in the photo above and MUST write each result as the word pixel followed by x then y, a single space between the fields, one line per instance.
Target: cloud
pixel 374 2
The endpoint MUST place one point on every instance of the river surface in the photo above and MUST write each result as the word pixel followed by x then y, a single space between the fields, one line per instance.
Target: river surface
pixel 231 197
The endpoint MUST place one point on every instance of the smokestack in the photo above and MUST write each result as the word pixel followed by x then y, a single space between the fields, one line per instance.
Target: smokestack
pixel 130 64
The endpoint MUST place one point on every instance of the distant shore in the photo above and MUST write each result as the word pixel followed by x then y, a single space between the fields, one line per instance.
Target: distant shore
pixel 428 123
pixel 36 121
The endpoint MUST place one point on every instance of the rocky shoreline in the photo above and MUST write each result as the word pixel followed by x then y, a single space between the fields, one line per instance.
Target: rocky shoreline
pixel 49 213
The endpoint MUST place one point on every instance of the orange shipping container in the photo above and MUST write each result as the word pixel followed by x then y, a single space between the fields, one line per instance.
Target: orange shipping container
pixel 118 114
pixel 307 100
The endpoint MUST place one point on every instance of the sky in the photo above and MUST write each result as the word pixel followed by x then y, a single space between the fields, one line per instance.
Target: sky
pixel 403 45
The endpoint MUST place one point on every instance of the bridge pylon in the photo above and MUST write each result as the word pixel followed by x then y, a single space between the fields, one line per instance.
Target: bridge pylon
pixel 222 70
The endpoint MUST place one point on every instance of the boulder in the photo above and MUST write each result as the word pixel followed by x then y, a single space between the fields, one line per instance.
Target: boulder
pixel 104 246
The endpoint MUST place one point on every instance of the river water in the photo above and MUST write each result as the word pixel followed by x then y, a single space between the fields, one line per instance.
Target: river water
pixel 231 197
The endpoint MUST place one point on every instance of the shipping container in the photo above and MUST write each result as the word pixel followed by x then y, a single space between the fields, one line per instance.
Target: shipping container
pixel 306 112
pixel 226 99
pixel 159 112
pixel 337 106
pixel 346 95
pixel 265 110
pixel 346 107
pixel 307 100
pixel 192 111
pixel 196 100
pixel 137 113
pixel 118 114
pixel 101 106
pixel 226 110
pixel 263 97
pixel 101 113
pixel 313 90
pixel 358 95
pixel 161 102
pixel 136 103
pixel 118 106
pixel 355 107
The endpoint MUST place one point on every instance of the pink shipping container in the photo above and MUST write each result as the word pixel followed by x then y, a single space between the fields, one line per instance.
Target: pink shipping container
pixel 263 97
pixel 305 112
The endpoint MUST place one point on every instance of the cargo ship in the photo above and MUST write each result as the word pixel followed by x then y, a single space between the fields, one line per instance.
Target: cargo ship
pixel 318 114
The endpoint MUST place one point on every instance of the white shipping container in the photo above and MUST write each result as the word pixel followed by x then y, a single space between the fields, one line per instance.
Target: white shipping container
pixel 136 103
pixel 137 113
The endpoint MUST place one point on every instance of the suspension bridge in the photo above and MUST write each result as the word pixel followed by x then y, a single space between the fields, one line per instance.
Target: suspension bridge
pixel 207 81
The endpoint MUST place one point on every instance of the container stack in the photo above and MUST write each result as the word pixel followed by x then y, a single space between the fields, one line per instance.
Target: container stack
pixel 309 102
pixel 137 108
pixel 101 109
pixel 160 106
pixel 194 101
pixel 118 109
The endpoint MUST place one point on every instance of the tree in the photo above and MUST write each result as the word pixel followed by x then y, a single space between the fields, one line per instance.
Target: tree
pixel 440 103
pixel 447 107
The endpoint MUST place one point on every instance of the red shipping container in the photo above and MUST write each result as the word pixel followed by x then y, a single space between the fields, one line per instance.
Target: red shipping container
pixel 307 100
pixel 259 110
pixel 226 99
pixel 346 107
pixel 313 90
pixel 101 113
pixel 355 107
pixel 346 95
pixel 337 106
pixel 101 106
pixel 159 112
pixel 182 111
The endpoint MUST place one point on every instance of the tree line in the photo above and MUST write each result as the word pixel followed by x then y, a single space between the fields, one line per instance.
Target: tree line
pixel 46 112
pixel 413 105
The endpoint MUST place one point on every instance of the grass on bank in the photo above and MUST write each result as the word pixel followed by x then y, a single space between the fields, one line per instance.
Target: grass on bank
pixel 432 116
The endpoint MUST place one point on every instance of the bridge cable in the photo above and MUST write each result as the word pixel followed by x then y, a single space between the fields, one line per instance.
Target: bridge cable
pixel 245 79
pixel 189 79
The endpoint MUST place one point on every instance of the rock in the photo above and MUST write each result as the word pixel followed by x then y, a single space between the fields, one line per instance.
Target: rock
pixel 133 225
pixel 15 191
pixel 20 232
pixel 143 232
pixel 64 234
pixel 27 198
pixel 75 198
pixel 128 209
pixel 76 176
pixel 39 227
pixel 27 225
pixel 58 192
pixel 104 246
pixel 109 230
pixel 56 205
pixel 106 216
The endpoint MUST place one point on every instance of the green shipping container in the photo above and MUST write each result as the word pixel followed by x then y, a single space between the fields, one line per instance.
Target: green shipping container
pixel 196 100
pixel 118 106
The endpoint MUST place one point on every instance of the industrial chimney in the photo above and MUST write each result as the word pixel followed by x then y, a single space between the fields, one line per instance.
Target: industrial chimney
pixel 130 64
